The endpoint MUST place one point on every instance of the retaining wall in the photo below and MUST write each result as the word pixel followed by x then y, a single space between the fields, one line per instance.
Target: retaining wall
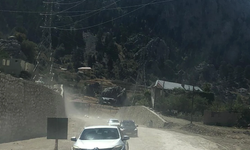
pixel 24 108
pixel 220 118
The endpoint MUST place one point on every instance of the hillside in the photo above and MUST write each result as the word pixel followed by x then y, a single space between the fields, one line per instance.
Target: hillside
pixel 194 41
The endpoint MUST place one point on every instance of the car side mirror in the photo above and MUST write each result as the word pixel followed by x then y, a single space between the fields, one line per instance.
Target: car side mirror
pixel 73 139
pixel 125 137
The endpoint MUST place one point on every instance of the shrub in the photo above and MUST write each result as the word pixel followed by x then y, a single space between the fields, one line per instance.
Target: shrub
pixel 29 49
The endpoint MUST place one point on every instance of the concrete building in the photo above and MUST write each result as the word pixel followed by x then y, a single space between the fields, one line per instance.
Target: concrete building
pixel 15 66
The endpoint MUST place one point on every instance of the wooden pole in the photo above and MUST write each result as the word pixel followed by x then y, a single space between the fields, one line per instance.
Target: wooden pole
pixel 56 144
pixel 192 105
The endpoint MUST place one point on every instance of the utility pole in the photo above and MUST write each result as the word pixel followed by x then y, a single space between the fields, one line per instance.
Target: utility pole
pixel 46 40
pixel 46 28
pixel 192 107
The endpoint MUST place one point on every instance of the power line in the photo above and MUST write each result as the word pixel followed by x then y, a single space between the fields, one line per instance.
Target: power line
pixel 70 3
pixel 106 9
pixel 95 10
pixel 20 11
pixel 69 8
pixel 64 29
pixel 39 12
pixel 132 6
pixel 89 16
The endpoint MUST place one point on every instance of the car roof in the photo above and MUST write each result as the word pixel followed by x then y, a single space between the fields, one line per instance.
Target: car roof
pixel 96 127
pixel 127 121
pixel 114 119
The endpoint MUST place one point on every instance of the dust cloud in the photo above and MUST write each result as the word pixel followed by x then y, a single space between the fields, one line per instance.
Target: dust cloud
pixel 77 109
pixel 70 107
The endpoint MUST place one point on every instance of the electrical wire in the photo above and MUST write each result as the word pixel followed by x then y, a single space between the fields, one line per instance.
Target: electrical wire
pixel 97 12
pixel 91 11
pixel 69 8
pixel 132 6
pixel 39 12
pixel 64 29
pixel 59 3
pixel 19 11
pixel 36 12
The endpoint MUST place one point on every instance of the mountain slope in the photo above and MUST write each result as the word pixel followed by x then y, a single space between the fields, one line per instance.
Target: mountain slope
pixel 157 38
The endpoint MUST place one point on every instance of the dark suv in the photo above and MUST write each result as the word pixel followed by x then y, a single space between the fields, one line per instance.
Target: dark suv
pixel 128 127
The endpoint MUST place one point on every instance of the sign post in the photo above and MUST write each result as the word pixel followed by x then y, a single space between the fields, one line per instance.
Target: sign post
pixel 56 145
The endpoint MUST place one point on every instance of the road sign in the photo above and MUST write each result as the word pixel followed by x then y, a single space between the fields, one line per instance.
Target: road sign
pixel 57 128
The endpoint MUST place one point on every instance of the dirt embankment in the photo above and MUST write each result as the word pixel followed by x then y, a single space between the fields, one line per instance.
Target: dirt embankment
pixel 228 138
pixel 24 108
pixel 141 115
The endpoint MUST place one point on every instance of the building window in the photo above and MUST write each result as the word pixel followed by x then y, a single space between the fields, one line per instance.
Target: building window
pixel 3 62
pixel 7 62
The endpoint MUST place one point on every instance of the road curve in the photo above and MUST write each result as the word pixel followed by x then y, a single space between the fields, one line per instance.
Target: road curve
pixel 149 139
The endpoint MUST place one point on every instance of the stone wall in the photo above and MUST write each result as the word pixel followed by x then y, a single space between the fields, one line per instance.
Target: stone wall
pixel 24 108
pixel 141 115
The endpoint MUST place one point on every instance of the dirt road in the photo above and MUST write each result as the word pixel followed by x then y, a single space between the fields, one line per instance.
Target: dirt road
pixel 149 139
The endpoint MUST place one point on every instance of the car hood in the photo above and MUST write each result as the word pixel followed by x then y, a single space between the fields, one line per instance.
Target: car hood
pixel 101 144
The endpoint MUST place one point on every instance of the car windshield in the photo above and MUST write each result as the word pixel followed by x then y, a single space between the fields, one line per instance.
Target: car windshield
pixel 100 134
pixel 114 121
pixel 126 124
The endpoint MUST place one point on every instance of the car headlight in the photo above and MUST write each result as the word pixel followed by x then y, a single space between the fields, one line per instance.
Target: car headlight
pixel 118 147
pixel 76 148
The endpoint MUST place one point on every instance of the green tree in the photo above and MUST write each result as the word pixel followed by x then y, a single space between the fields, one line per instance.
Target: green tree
pixel 4 54
pixel 238 105
pixel 59 52
pixel 207 87
pixel 223 70
pixel 29 50
pixel 78 58
pixel 247 72
pixel 1 35
pixel 90 61
pixel 239 77
pixel 110 65
pixel 200 104
pixel 20 37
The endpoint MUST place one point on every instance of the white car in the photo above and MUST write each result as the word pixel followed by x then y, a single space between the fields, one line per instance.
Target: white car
pixel 114 122
pixel 101 138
